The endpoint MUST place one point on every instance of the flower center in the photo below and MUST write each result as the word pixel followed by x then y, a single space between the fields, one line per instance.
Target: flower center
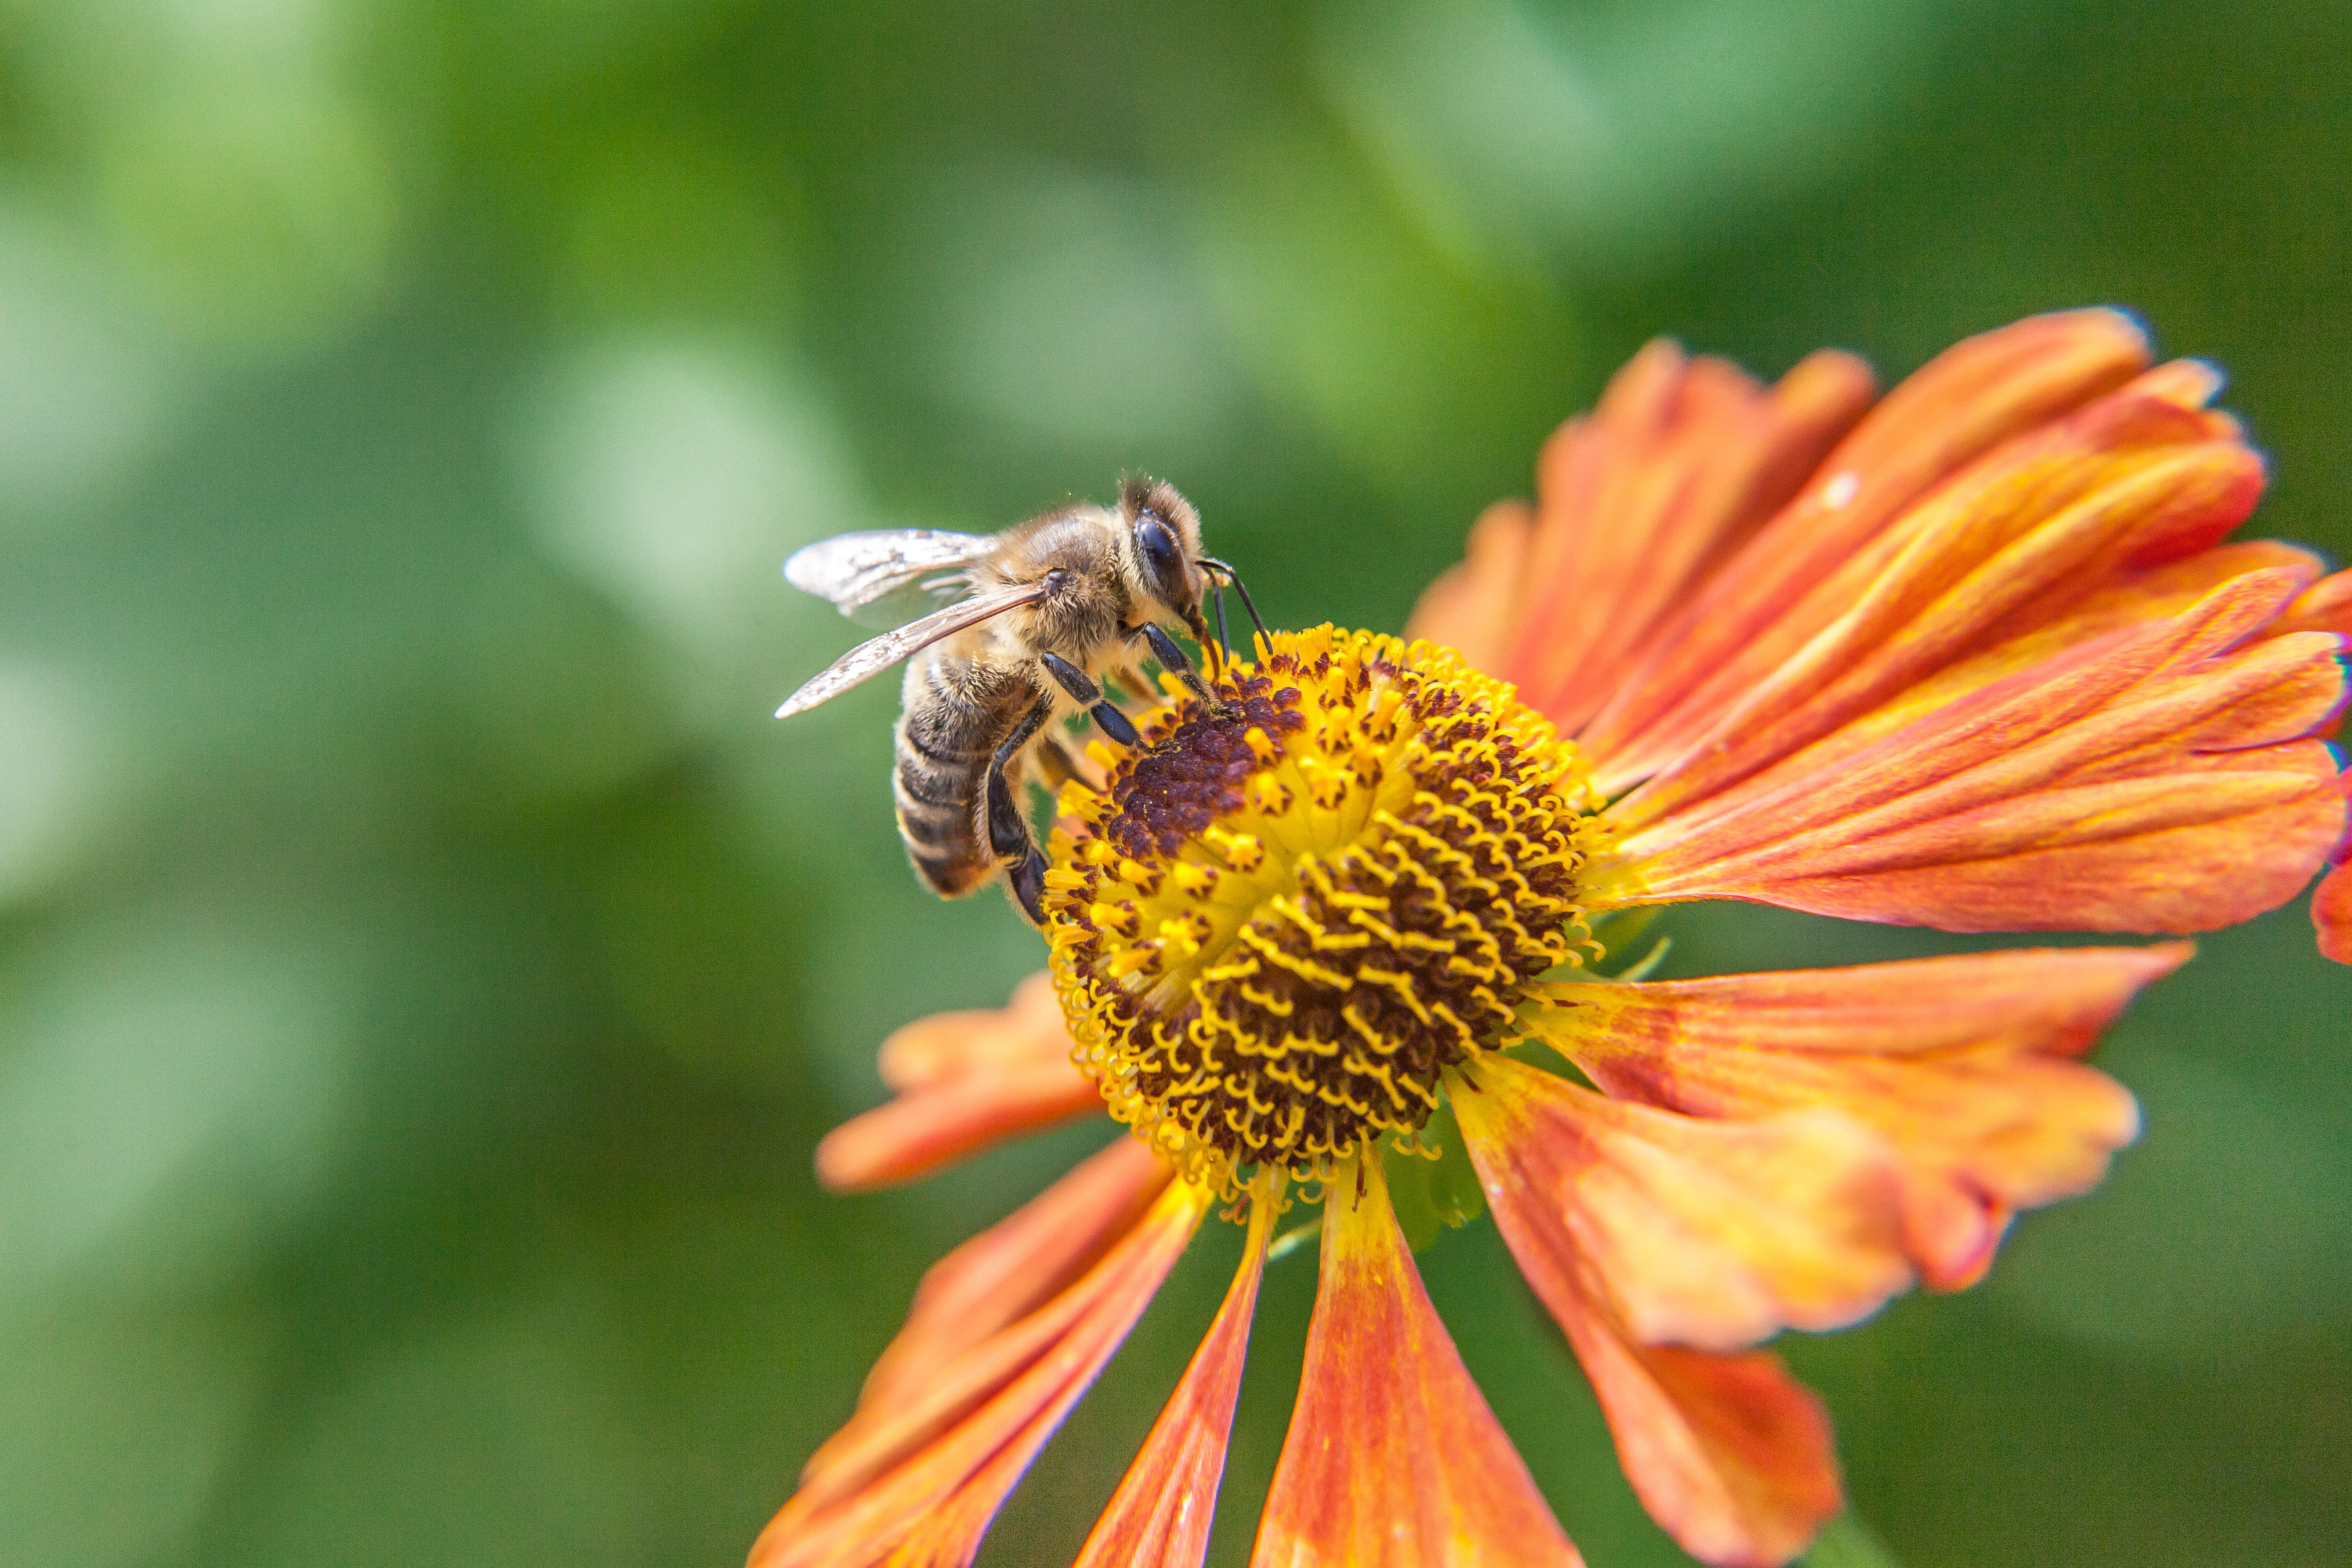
pixel 1288 916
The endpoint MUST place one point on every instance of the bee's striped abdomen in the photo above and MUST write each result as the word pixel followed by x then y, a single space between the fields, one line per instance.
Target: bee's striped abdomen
pixel 957 712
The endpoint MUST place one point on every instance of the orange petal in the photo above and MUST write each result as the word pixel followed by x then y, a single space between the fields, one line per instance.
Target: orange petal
pixel 2133 599
pixel 1968 400
pixel 2148 780
pixel 1956 1061
pixel 2190 383
pixel 1016 1266
pixel 2331 911
pixel 1469 607
pixel 920 1484
pixel 1160 1516
pixel 2324 606
pixel 1713 1234
pixel 884 1431
pixel 1026 1032
pixel 2042 522
pixel 941 1123
pixel 1682 460
pixel 1732 1457
pixel 1394 1459
pixel 965 1081
pixel 1729 1457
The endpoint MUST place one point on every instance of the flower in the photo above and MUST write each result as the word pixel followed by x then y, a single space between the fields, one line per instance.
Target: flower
pixel 1975 656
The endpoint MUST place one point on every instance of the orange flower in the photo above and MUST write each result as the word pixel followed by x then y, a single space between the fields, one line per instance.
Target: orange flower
pixel 1974 657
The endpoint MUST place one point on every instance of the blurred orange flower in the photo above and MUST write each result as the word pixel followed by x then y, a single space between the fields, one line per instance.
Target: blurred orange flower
pixel 1974 655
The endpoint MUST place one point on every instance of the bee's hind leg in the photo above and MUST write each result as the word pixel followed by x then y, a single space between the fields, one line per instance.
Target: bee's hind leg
pixel 1029 886
pixel 1008 829
pixel 1082 690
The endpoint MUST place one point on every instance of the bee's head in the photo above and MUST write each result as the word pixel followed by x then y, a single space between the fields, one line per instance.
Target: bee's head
pixel 1163 538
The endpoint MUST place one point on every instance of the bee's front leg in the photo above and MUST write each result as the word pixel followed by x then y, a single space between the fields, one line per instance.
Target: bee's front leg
pixel 1008 829
pixel 1171 659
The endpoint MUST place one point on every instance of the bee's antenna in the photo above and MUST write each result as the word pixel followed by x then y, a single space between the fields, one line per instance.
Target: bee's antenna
pixel 1225 643
pixel 1230 576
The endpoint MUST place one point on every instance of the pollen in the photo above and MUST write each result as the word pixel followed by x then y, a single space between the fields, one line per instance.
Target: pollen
pixel 1287 916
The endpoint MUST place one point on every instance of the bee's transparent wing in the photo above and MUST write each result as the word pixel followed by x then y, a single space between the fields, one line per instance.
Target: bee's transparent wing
pixel 888 575
pixel 868 659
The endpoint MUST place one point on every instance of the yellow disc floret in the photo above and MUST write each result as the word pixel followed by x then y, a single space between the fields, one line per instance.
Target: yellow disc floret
pixel 1287 915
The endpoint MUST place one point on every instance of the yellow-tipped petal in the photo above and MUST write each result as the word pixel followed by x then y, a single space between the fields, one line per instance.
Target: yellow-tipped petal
pixel 1394 1459
pixel 1962 1063
pixel 918 1483
pixel 1160 1516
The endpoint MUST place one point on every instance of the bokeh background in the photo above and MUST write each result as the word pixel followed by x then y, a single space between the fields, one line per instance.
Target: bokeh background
pixel 423 966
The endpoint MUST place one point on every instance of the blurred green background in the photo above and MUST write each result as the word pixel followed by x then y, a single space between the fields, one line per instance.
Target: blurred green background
pixel 425 968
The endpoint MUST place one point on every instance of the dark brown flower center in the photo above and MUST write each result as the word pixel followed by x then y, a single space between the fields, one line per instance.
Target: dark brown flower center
pixel 1288 917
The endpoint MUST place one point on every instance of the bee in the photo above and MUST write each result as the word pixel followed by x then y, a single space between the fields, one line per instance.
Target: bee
pixel 1035 616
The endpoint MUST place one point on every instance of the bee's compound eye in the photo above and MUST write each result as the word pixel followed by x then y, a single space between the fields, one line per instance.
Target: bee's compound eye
pixel 1163 558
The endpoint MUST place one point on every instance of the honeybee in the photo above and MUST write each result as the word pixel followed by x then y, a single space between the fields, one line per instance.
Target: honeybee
pixel 1036 614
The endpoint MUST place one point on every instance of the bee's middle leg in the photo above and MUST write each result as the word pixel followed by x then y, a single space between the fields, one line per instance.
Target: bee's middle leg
pixel 1008 829
pixel 1082 690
